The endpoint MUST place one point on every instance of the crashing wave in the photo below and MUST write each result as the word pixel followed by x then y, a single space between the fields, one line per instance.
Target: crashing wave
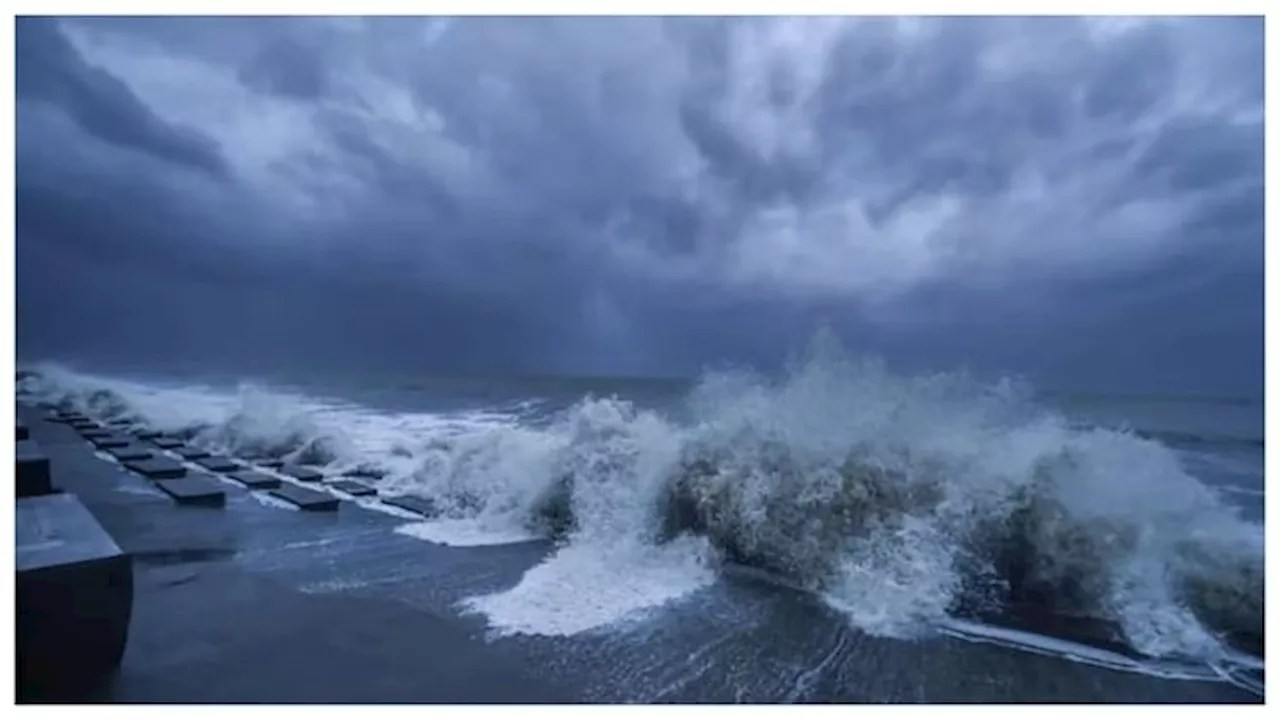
pixel 904 501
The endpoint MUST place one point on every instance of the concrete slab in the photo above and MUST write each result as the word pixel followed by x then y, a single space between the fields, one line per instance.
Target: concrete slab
pixel 352 487
pixel 146 434
pixel 74 594
pixel 306 499
pixel 255 480
pixel 187 452
pixel 89 433
pixel 31 473
pixel 130 452
pixel 88 426
pixel 68 418
pixel 269 463
pixel 218 463
pixel 194 490
pixel 305 474
pixel 157 468
pixel 111 441
pixel 168 443
pixel 413 503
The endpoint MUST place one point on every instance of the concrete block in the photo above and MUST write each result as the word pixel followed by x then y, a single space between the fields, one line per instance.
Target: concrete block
pixel 305 498
pixel 413 503
pixel 157 468
pixel 255 480
pixel 68 417
pixel 269 463
pixel 352 487
pixel 168 443
pixel 188 452
pixel 304 474
pixel 74 595
pixel 23 431
pixel 83 426
pixel 111 441
pixel 130 452
pixel 218 463
pixel 146 434
pixel 193 490
pixel 31 474
pixel 95 432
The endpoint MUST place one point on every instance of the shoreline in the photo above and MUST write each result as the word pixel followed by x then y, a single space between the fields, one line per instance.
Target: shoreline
pixel 261 581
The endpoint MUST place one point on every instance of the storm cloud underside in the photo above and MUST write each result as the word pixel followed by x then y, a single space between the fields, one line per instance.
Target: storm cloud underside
pixel 1077 200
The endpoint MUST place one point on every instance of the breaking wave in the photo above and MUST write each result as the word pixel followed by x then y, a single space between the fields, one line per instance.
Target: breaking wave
pixel 903 501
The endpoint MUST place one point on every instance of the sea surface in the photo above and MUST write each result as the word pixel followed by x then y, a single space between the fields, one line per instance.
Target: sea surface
pixel 1118 531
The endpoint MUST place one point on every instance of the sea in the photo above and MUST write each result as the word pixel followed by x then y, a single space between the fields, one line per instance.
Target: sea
pixel 1122 532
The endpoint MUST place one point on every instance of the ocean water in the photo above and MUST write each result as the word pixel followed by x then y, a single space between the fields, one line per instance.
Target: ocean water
pixel 911 505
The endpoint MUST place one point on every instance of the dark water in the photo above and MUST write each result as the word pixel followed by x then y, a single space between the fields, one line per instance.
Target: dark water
pixel 485 445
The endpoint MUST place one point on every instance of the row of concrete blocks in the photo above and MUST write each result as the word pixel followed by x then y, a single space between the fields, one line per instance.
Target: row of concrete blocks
pixel 171 476
pixel 74 594
pixel 75 584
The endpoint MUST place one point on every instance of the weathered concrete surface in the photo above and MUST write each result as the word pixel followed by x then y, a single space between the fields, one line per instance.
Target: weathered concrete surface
pixel 130 453
pixel 305 498
pixel 194 490
pixel 255 480
pixel 74 595
pixel 305 474
pixel 157 468
pixel 31 470
pixel 218 463
pixel 413 503
pixel 352 487
pixel 189 452
pixel 114 440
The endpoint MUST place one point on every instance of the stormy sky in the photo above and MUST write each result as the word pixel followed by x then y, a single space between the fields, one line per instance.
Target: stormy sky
pixel 1079 201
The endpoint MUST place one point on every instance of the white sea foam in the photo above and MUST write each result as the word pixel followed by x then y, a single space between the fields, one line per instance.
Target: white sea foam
pixel 587 587
pixel 898 499
pixel 272 501
pixel 465 533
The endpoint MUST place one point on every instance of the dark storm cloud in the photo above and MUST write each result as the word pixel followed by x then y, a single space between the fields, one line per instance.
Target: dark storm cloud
pixel 648 195
pixel 50 70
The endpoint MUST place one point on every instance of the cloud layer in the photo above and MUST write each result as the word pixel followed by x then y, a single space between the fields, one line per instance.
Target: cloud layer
pixel 1052 196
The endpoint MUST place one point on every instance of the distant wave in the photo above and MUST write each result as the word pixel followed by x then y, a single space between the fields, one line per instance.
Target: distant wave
pixel 1192 398
pixel 1184 438
pixel 904 501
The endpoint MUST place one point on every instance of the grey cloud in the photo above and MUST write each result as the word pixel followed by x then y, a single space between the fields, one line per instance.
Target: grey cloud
pixel 645 194
pixel 48 68
pixel 287 67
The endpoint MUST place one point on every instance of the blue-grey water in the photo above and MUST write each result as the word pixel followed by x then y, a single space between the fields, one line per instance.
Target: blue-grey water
pixel 906 505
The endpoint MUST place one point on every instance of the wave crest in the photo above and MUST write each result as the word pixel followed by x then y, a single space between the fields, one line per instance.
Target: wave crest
pixel 901 500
